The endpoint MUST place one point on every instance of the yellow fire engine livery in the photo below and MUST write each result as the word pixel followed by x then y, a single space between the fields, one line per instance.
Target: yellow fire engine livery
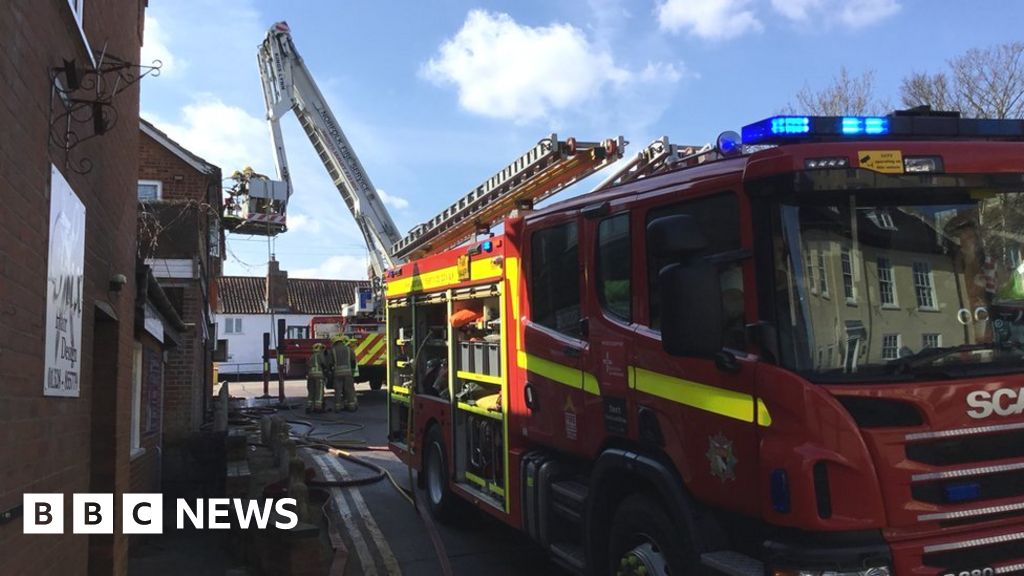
pixel 370 350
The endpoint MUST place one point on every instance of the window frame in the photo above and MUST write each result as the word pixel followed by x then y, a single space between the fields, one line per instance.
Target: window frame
pixel 890 271
pixel 135 432
pixel 924 340
pixel 895 348
pixel 738 255
pixel 599 278
pixel 230 322
pixel 573 222
pixel 846 258
pixel 929 284
pixel 159 190
pixel 822 263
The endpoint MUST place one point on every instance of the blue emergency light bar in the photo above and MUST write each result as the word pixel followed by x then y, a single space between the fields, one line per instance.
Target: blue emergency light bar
pixel 793 129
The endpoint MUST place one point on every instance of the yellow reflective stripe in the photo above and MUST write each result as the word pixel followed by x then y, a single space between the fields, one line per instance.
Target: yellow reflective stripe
pixel 368 340
pixel 572 377
pixel 373 349
pixel 512 275
pixel 482 269
pixel 721 401
pixel 763 417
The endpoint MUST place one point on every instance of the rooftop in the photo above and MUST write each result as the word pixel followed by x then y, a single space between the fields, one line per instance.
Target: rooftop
pixel 247 295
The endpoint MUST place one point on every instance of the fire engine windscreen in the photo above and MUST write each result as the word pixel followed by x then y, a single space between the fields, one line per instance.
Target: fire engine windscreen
pixel 900 283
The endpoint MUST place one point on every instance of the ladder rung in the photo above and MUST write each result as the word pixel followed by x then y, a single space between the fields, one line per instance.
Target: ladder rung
pixel 542 171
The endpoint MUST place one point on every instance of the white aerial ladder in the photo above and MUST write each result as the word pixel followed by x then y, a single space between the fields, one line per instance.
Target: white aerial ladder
pixel 547 168
pixel 288 85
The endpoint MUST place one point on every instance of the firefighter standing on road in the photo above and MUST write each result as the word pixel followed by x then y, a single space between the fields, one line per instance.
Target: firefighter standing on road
pixel 343 368
pixel 315 379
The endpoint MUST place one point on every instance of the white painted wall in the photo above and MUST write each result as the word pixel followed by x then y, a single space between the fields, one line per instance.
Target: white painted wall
pixel 245 349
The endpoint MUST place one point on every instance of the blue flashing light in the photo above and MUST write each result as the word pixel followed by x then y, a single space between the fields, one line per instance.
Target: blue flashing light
pixel 776 128
pixel 487 246
pixel 963 492
pixel 869 125
pixel 791 129
pixel 781 500
pixel 729 143
pixel 790 125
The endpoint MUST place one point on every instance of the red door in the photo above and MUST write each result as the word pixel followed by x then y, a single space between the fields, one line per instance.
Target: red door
pixel 553 333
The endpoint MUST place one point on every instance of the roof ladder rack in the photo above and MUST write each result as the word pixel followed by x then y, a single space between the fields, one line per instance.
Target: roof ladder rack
pixel 544 170
pixel 657 157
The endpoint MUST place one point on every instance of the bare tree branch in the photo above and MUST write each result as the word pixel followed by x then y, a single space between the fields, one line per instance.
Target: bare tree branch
pixel 989 83
pixel 846 95
pixel 922 89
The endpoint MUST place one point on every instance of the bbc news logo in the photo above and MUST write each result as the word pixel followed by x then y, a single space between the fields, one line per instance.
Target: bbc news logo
pixel 144 513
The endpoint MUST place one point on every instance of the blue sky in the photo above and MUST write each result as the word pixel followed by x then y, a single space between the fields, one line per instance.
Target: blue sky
pixel 436 96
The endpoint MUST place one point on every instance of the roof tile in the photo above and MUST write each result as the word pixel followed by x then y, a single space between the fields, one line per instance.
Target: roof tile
pixel 247 295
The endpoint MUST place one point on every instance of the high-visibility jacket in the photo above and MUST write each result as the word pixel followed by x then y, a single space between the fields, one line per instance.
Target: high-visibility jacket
pixel 344 358
pixel 315 368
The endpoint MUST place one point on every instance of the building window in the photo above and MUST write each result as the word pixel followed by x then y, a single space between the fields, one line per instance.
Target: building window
pixel 931 340
pixel 890 346
pixel 923 286
pixel 613 266
pixel 883 219
pixel 886 285
pixel 150 190
pixel 555 279
pixel 811 283
pixel 822 274
pixel 135 433
pixel 297 332
pixel 232 325
pixel 849 288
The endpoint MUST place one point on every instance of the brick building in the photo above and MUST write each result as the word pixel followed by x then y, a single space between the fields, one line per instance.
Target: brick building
pixel 180 241
pixel 67 262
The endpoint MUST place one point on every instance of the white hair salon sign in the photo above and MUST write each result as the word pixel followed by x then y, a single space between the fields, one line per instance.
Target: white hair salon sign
pixel 64 286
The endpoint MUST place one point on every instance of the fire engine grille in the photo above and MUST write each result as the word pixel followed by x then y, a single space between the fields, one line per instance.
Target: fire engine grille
pixel 982 448
pixel 990 487
pixel 1005 553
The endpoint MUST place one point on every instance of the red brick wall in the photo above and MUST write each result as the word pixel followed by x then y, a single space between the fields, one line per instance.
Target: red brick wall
pixel 189 198
pixel 47 444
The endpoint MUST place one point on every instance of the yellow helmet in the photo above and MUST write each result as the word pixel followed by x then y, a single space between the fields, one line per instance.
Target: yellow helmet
pixel 318 347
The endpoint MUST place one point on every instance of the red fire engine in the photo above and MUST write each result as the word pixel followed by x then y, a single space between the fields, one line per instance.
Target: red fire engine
pixel 367 337
pixel 801 354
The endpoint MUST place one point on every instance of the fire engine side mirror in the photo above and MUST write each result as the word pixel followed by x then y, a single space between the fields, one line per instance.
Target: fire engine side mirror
pixel 676 236
pixel 692 318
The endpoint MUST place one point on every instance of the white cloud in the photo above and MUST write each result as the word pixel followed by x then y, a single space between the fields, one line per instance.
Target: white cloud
pixel 223 134
pixel 392 200
pixel 661 71
pixel 298 222
pixel 796 9
pixel 852 13
pixel 859 13
pixel 506 70
pixel 336 268
pixel 154 47
pixel 709 19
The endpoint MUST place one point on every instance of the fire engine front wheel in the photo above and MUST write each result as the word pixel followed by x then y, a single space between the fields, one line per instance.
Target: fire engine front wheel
pixel 643 540
pixel 440 499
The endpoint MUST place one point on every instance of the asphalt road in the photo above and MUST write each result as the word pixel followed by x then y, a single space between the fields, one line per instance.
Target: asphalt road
pixel 385 536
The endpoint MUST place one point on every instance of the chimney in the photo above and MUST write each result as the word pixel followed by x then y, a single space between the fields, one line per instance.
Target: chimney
pixel 277 287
